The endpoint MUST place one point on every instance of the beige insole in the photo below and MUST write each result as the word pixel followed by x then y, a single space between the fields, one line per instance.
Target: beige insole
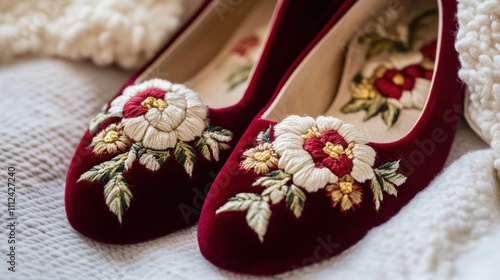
pixel 218 71
pixel 322 84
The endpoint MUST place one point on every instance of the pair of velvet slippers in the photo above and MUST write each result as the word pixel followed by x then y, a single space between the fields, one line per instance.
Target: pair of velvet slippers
pixel 276 124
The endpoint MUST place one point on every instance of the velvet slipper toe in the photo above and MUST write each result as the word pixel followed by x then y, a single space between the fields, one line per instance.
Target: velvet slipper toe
pixel 363 122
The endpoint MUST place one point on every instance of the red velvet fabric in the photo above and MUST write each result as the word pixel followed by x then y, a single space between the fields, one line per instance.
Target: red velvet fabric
pixel 321 232
pixel 168 200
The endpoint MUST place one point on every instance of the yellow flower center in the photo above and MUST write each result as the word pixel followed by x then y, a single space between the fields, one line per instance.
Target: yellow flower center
pixel 311 133
pixel 262 156
pixel 335 151
pixel 153 102
pixel 364 90
pixel 345 187
pixel 111 137
pixel 398 80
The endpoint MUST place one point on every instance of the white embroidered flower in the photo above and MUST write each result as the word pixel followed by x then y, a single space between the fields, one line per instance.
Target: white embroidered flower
pixel 319 151
pixel 159 113
pixel 110 140
pixel 260 159
pixel 401 78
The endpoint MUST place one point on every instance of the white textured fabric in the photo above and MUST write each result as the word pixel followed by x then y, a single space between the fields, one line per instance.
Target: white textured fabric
pixel 477 43
pixel 105 31
pixel 449 230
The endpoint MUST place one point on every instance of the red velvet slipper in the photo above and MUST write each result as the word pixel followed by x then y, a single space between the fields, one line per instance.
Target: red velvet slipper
pixel 143 168
pixel 362 122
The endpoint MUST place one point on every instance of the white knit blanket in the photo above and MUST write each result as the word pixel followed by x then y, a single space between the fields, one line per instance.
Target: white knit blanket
pixel 451 230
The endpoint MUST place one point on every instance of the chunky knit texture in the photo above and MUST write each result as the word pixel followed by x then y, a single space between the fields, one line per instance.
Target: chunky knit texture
pixel 111 31
pixel 446 231
pixel 477 43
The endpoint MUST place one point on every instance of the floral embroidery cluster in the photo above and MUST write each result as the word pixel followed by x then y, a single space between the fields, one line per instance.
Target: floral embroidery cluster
pixel 395 76
pixel 159 121
pixel 243 56
pixel 311 155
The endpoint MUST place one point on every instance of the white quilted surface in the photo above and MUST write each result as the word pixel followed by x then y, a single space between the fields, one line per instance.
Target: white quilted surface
pixel 451 230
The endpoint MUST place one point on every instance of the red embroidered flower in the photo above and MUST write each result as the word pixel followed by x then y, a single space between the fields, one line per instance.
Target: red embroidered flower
pixel 394 82
pixel 331 151
pixel 246 44
pixel 316 152
pixel 403 78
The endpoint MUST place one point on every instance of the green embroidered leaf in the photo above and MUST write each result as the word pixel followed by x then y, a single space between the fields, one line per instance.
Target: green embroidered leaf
pixel 219 133
pixel 367 37
pixel 258 217
pixel 374 106
pixel 379 45
pixel 224 146
pixel 240 76
pixel 387 179
pixel 420 26
pixel 186 156
pixel 202 147
pixel 378 196
pixel 391 114
pixel 269 190
pixel 276 178
pixel 136 151
pixel 215 138
pixel 117 195
pixel 159 156
pixel 258 209
pixel 275 193
pixel 355 105
pixel 154 159
pixel 264 136
pixel 100 118
pixel 105 171
pixel 389 172
pixel 295 200
pixel 240 202
pixel 214 147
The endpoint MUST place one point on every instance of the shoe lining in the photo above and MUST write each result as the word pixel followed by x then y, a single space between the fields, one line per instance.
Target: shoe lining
pixel 328 79
pixel 216 54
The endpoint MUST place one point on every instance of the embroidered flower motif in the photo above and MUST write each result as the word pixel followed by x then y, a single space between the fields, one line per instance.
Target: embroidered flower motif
pixel 242 58
pixel 401 79
pixel 397 75
pixel 317 152
pixel 159 113
pixel 346 192
pixel 260 159
pixel 168 123
pixel 246 44
pixel 313 154
pixel 110 140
